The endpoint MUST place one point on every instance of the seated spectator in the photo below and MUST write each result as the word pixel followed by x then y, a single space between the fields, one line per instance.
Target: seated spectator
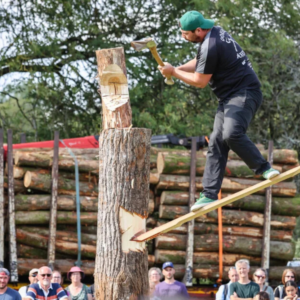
pixel 155 276
pixel 291 289
pixel 78 290
pixel 262 296
pixel 260 278
pixel 7 293
pixel 243 288
pixel 33 278
pixel 224 290
pixel 287 275
pixel 170 288
pixel 44 289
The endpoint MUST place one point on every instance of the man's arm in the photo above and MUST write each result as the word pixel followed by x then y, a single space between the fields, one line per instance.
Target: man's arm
pixel 194 79
pixel 189 66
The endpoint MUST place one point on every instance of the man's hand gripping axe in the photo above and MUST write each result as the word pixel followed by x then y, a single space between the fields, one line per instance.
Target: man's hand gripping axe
pixel 151 45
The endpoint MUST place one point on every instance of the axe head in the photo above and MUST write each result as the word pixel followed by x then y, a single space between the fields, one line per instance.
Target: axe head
pixel 145 43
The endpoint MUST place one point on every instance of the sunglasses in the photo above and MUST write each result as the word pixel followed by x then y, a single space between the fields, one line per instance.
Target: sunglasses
pixel 33 275
pixel 288 276
pixel 258 276
pixel 44 275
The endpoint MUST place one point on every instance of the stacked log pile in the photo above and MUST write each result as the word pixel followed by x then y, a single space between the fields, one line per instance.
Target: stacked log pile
pixel 169 182
pixel 242 220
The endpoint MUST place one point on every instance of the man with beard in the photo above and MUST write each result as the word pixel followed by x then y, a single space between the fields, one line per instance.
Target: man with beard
pixel 170 288
pixel 7 293
pixel 222 63
pixel 44 289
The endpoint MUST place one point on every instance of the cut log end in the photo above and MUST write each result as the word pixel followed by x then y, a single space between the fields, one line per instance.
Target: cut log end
pixel 131 224
pixel 27 179
pixel 160 163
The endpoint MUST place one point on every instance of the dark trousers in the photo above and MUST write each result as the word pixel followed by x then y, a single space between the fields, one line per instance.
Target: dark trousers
pixel 232 119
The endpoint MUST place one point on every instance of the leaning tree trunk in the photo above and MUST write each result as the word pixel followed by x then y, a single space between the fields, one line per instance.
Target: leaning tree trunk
pixel 121 265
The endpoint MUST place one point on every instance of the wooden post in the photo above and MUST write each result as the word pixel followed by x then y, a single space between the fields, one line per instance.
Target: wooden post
pixel 1 201
pixel 23 138
pixel 265 258
pixel 121 267
pixel 11 211
pixel 188 277
pixel 53 207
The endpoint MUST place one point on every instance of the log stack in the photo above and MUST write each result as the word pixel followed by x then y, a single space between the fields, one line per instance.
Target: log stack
pixel 242 220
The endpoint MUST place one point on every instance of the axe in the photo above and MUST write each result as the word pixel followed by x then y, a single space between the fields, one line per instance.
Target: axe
pixel 151 45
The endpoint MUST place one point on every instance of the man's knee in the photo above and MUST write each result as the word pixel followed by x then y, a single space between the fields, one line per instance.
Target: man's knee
pixel 229 136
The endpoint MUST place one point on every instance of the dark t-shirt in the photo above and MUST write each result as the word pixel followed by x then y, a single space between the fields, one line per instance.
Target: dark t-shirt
pixel 10 294
pixel 248 290
pixel 281 287
pixel 220 55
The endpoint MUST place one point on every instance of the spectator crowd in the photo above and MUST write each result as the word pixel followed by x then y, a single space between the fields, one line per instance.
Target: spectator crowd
pixel 45 284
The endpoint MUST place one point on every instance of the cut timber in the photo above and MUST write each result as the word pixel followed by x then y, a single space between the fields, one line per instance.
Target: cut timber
pixel 231 244
pixel 42 182
pixel 204 258
pixel 114 88
pixel 229 216
pixel 229 185
pixel 18 186
pixel 202 228
pixel 44 160
pixel 180 165
pixel 124 172
pixel 280 206
pixel 193 215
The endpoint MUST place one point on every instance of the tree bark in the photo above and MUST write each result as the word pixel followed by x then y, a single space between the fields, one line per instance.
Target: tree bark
pixel 247 218
pixel 280 206
pixel 229 185
pixel 42 182
pixel 204 258
pixel 231 244
pixel 121 265
pixel 176 164
pixel 253 232
pixel 18 186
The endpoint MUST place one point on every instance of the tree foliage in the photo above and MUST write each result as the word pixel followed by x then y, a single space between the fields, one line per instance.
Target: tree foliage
pixel 48 60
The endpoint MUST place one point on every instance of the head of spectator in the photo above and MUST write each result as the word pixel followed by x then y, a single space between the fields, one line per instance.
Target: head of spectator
pixel 75 275
pixel 56 277
pixel 168 272
pixel 243 266
pixel 33 276
pixel 290 288
pixel 260 277
pixel 233 274
pixel 44 277
pixel 288 275
pixel 154 276
pixel 262 296
pixel 4 279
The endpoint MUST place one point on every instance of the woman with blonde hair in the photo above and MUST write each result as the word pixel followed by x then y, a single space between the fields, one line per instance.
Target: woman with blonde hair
pixel 287 275
pixel 155 276
pixel 260 278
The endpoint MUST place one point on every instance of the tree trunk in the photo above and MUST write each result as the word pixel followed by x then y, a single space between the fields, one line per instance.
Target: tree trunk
pixel 229 185
pixel 231 244
pixel 42 182
pixel 202 228
pixel 121 265
pixel 176 164
pixel 204 258
pixel 26 251
pixel 18 186
pixel 247 218
pixel 280 206
pixel 44 160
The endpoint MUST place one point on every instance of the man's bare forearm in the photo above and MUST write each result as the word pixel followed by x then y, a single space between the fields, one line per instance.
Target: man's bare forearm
pixel 188 67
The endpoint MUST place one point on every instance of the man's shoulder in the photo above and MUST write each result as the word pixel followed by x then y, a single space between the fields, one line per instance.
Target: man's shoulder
pixel 13 293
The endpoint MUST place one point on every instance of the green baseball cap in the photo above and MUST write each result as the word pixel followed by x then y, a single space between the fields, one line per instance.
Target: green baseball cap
pixel 193 19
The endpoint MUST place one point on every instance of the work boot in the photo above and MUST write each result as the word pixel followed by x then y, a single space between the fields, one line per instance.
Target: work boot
pixel 271 173
pixel 202 201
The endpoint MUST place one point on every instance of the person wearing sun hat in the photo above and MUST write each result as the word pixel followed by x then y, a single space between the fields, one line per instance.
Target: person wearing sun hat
pixel 78 290
pixel 222 63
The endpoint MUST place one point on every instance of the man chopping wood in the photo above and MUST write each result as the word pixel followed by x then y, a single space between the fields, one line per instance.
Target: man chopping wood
pixel 221 63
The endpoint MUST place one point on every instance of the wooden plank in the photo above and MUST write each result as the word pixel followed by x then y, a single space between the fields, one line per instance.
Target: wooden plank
pixel 188 276
pixel 1 201
pixel 11 212
pixel 265 256
pixel 141 237
pixel 53 209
